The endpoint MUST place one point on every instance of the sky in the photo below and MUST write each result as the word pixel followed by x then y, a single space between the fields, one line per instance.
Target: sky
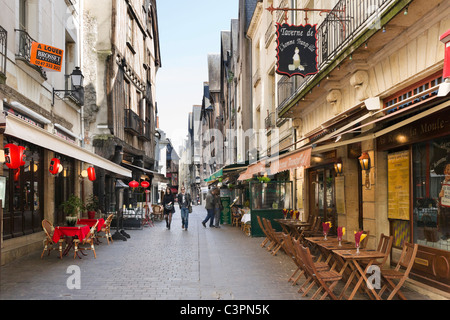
pixel 188 32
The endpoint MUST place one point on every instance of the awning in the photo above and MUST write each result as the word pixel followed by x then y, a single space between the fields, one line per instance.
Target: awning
pixel 226 170
pixel 132 166
pixel 292 160
pixel 23 130
pixel 253 169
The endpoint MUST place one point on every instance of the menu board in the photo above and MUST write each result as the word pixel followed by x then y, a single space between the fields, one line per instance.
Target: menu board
pixel 340 194
pixel 226 214
pixel 398 185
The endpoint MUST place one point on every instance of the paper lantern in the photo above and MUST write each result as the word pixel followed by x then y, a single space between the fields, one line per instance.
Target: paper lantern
pixel 91 173
pixel 54 166
pixel 145 184
pixel 14 156
pixel 133 184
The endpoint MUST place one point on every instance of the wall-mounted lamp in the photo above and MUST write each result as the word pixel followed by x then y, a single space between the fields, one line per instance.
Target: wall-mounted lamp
pixel 338 167
pixel 77 89
pixel 364 162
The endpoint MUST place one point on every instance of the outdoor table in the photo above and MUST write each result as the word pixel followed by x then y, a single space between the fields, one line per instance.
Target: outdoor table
pixel 351 257
pixel 70 232
pixel 91 222
pixel 327 246
pixel 292 226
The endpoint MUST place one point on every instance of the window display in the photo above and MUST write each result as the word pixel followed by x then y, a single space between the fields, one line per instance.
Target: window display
pixel 271 195
pixel 431 180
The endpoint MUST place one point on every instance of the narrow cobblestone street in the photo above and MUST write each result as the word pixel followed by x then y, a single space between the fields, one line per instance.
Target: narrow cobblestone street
pixel 156 263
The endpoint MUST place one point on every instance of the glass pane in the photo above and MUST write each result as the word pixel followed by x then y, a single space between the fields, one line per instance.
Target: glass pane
pixel 431 180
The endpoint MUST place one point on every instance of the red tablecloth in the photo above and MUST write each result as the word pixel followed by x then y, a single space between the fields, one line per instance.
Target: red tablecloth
pixel 81 232
pixel 91 222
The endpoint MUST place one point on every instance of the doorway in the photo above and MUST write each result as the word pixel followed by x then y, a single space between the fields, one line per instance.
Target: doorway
pixel 322 199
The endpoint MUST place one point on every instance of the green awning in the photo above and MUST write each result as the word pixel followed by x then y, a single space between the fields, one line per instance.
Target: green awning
pixel 216 175
pixel 227 169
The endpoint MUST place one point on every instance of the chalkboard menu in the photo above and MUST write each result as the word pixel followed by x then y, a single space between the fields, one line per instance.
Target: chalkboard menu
pixel 296 50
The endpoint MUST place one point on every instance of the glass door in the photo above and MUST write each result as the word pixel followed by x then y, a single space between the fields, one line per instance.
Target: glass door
pixel 322 194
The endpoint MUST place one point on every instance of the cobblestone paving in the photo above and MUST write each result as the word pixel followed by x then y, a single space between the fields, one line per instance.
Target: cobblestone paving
pixel 160 264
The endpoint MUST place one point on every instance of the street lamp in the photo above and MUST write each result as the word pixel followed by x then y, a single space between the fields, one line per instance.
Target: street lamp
pixel 338 167
pixel 77 89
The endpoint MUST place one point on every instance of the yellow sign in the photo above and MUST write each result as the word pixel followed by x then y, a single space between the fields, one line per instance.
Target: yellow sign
pixel 47 57
pixel 398 185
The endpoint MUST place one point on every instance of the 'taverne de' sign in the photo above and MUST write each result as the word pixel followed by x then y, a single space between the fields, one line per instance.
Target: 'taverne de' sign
pixel 296 50
pixel 47 57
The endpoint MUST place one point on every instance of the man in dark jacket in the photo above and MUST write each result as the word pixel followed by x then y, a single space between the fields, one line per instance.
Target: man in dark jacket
pixel 184 200
pixel 210 206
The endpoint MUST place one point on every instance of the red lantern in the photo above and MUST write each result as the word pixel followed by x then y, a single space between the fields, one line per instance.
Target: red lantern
pixel 91 173
pixel 54 166
pixel 145 184
pixel 133 184
pixel 14 156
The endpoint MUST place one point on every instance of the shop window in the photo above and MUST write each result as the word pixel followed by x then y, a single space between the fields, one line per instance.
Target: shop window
pixel 22 208
pixel 431 188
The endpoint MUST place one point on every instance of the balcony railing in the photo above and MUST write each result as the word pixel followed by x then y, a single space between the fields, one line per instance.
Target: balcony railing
pixel 132 122
pixel 3 50
pixel 341 26
pixel 23 52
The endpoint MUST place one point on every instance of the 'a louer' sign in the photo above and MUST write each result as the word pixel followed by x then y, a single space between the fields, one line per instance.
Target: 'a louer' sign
pixel 296 49
pixel 47 57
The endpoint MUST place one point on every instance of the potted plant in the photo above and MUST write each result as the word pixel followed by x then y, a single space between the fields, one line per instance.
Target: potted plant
pixel 71 207
pixel 92 206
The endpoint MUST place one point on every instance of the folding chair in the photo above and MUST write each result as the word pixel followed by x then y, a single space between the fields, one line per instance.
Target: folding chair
pixel 266 239
pixel 275 236
pixel 385 246
pixel 290 244
pixel 48 241
pixel 405 262
pixel 320 278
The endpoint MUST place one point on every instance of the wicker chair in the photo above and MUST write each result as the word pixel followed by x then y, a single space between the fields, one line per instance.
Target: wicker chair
pixel 89 239
pixel 106 229
pixel 48 241
pixel 157 211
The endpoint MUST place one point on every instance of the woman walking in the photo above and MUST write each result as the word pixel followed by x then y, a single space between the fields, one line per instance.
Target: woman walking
pixel 169 208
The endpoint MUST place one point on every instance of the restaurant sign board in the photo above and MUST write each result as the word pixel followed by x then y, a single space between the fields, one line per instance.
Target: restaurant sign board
pixel 47 57
pixel 296 49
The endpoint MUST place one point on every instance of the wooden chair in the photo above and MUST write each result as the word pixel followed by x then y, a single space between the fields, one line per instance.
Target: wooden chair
pixel 290 245
pixel 275 236
pixel 266 239
pixel 405 262
pixel 106 229
pixel 48 241
pixel 314 231
pixel 89 239
pixel 320 278
pixel 385 246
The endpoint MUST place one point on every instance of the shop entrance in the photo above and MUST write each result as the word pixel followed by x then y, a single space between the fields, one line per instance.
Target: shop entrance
pixel 322 200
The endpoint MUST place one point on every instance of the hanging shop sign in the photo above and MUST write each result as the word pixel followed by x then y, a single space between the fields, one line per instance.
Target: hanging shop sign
pixel 296 49
pixel 47 57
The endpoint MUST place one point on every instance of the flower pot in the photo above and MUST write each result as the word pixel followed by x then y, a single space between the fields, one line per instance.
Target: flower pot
pixel 71 221
pixel 91 214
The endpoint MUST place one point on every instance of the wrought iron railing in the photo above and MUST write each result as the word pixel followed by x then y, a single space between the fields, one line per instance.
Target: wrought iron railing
pixel 270 121
pixel 340 27
pixel 144 129
pixel 23 52
pixel 3 49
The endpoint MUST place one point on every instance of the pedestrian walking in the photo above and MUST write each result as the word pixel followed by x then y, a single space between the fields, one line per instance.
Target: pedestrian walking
pixel 209 206
pixel 217 208
pixel 184 200
pixel 169 208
